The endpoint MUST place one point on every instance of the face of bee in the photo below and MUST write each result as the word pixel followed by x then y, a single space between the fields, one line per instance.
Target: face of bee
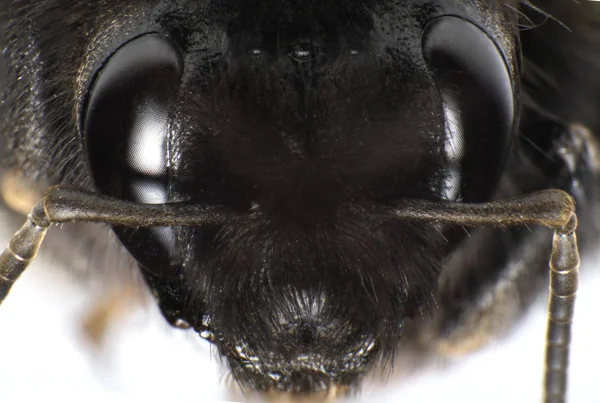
pixel 312 113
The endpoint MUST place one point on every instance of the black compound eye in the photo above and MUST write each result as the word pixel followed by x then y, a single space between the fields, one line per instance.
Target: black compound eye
pixel 479 104
pixel 125 124
pixel 126 131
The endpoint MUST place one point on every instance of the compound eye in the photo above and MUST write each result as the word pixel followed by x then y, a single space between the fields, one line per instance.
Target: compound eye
pixel 125 133
pixel 474 82
pixel 125 125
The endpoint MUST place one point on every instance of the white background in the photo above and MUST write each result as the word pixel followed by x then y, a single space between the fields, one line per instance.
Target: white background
pixel 42 355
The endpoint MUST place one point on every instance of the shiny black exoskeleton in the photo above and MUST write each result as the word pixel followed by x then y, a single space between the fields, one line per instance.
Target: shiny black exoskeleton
pixel 311 112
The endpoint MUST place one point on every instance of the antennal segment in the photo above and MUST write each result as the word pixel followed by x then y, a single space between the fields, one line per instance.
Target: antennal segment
pixel 551 208
pixel 63 204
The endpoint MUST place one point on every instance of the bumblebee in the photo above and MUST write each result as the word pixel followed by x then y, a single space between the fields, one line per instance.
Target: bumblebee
pixel 312 185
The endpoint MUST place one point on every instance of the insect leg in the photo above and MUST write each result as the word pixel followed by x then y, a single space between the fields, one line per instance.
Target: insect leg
pixel 18 192
pixel 477 305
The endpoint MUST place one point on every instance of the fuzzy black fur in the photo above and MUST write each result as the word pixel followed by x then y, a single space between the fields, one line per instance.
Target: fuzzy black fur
pixel 316 293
